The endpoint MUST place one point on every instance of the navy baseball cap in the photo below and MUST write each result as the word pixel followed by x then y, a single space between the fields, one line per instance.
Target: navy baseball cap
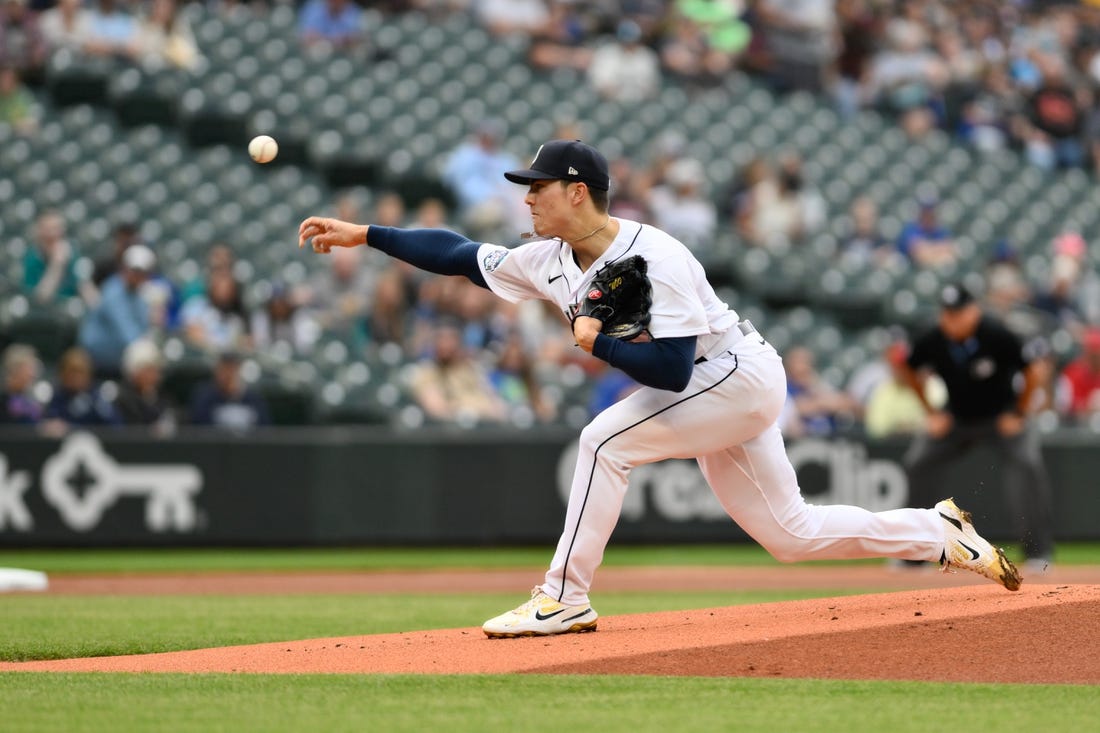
pixel 566 160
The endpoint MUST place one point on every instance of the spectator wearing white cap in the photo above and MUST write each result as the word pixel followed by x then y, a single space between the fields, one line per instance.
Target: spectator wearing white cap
pixel 140 400
pixel 122 315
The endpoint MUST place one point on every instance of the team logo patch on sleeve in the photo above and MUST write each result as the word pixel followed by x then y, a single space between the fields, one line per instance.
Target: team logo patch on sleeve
pixel 493 259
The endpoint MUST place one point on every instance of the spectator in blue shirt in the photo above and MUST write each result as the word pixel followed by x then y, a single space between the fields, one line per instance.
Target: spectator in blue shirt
pixel 113 31
pixel 924 242
pixel 489 209
pixel 76 399
pixel 122 315
pixel 819 408
pixel 330 21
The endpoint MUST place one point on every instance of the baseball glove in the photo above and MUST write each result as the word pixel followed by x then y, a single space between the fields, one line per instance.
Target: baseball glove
pixel 620 295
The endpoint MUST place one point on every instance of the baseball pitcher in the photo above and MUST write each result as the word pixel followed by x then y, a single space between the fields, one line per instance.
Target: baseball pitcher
pixel 712 387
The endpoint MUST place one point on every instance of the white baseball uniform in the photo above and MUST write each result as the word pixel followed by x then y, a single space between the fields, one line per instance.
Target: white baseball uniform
pixel 725 419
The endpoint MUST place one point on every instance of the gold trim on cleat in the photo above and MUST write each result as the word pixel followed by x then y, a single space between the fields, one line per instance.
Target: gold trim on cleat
pixel 1010 576
pixel 574 629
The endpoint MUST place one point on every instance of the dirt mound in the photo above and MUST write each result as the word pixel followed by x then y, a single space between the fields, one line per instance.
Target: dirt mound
pixel 1044 633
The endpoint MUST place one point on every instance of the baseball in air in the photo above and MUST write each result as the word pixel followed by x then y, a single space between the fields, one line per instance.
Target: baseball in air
pixel 263 148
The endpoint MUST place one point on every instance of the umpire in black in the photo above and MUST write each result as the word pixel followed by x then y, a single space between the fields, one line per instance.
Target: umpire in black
pixel 990 382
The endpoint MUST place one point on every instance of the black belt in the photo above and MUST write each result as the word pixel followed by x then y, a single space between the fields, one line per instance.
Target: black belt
pixel 745 327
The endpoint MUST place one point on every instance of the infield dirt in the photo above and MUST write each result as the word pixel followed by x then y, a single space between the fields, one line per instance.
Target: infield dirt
pixel 1045 633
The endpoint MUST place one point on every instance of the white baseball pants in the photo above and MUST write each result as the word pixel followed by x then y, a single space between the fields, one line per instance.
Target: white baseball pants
pixel 726 419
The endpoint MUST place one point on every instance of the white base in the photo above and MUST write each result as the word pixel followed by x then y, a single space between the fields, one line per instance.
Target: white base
pixel 16 579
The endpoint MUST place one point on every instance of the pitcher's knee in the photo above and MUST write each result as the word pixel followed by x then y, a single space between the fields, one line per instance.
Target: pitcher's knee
pixel 591 438
pixel 603 446
pixel 791 540
pixel 790 549
pixel 788 533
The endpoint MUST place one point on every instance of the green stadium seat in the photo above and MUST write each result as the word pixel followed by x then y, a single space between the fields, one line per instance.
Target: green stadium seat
pixel 76 80
pixel 50 332
pixel 288 405
pixel 205 121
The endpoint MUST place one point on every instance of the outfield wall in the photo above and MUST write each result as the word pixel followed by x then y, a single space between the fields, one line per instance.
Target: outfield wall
pixel 332 486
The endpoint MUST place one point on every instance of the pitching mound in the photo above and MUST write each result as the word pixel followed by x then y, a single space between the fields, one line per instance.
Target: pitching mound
pixel 1043 633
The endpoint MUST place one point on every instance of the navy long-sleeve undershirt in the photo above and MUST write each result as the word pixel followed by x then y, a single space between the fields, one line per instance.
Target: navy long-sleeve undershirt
pixel 662 363
pixel 436 250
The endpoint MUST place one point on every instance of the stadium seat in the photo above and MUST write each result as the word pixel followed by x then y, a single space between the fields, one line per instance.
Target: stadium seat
pixel 72 80
pixel 205 121
pixel 50 332
pixel 288 405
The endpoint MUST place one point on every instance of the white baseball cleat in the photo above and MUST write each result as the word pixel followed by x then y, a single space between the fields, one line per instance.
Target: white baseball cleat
pixel 541 616
pixel 964 548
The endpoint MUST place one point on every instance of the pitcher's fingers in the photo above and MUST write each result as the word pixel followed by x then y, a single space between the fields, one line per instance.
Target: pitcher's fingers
pixel 307 235
pixel 309 228
pixel 310 221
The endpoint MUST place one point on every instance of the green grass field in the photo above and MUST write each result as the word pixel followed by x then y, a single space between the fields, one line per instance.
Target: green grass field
pixel 42 627
pixel 476 704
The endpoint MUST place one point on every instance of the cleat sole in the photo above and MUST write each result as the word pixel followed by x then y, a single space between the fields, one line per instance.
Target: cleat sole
pixel 574 629
pixel 1010 576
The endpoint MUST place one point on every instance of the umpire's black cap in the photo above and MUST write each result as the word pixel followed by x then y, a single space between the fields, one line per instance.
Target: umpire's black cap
pixel 566 160
pixel 955 296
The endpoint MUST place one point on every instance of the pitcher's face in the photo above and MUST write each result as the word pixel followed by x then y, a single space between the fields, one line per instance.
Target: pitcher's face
pixel 549 202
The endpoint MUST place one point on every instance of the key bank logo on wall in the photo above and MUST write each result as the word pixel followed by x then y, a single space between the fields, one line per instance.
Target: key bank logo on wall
pixel 829 472
pixel 82 482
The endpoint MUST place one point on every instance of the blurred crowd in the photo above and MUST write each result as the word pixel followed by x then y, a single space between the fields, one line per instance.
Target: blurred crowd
pixel 152 34
pixel 466 357
pixel 999 75
pixel 1020 74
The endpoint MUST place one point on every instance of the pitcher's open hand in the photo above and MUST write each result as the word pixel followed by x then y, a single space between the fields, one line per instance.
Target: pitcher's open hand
pixel 327 233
